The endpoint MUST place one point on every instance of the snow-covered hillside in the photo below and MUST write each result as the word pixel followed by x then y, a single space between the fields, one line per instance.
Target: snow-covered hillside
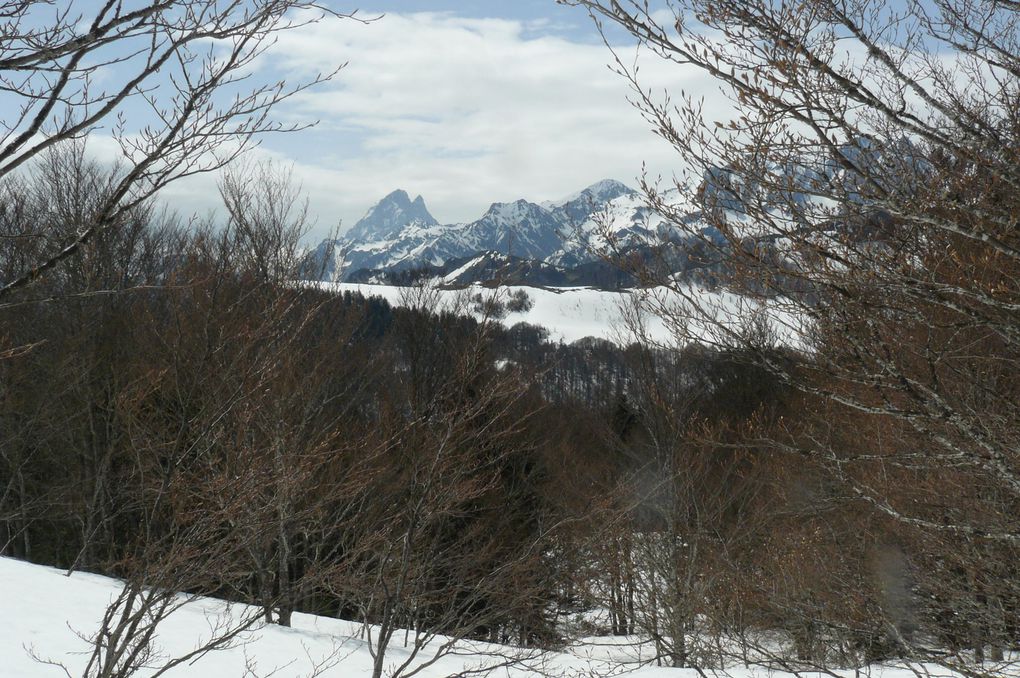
pixel 570 314
pixel 46 618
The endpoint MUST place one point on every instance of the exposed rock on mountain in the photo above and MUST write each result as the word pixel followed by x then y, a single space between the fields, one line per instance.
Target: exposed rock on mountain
pixel 400 235
pixel 390 217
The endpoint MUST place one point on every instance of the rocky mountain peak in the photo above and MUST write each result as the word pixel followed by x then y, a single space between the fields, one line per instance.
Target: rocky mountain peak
pixel 577 207
pixel 398 234
pixel 390 216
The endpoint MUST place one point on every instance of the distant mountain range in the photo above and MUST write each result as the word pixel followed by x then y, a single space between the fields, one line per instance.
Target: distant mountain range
pixel 554 243
pixel 594 237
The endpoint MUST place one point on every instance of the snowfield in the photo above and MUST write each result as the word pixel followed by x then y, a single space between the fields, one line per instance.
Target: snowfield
pixel 568 313
pixel 573 313
pixel 45 616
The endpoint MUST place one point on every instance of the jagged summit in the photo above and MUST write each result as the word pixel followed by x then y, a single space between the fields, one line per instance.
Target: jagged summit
pixel 520 228
pixel 390 216
pixel 399 234
pixel 577 207
pixel 581 239
pixel 513 209
pixel 602 191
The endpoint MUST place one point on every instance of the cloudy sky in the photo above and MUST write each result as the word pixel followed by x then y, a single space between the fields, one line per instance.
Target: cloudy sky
pixel 465 102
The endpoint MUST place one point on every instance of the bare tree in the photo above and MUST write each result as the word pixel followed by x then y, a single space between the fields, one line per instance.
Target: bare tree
pixel 181 66
pixel 448 543
pixel 862 190
pixel 181 436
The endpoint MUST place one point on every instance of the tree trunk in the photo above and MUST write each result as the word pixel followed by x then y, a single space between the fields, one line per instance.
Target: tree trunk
pixel 286 602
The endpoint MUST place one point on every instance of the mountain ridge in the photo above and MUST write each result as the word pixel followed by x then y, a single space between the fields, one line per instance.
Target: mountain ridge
pixel 399 234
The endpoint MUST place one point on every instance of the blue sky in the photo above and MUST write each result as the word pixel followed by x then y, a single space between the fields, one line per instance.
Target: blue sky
pixel 509 9
pixel 565 20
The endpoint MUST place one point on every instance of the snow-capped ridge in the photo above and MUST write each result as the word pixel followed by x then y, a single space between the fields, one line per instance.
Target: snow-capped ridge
pixel 511 210
pixel 601 191
pixel 391 215
pixel 399 234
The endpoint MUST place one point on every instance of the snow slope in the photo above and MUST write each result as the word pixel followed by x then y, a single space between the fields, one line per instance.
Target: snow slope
pixel 574 313
pixel 45 613
pixel 568 313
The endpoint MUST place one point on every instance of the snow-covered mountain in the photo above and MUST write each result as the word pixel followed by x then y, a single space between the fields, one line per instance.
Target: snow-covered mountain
pixel 518 228
pixel 391 216
pixel 567 240
pixel 577 208
pixel 398 234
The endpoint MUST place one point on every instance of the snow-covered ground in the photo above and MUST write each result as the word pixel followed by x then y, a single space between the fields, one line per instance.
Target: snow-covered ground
pixel 45 616
pixel 570 314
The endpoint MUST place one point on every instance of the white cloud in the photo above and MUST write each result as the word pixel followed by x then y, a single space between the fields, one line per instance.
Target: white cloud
pixel 463 111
